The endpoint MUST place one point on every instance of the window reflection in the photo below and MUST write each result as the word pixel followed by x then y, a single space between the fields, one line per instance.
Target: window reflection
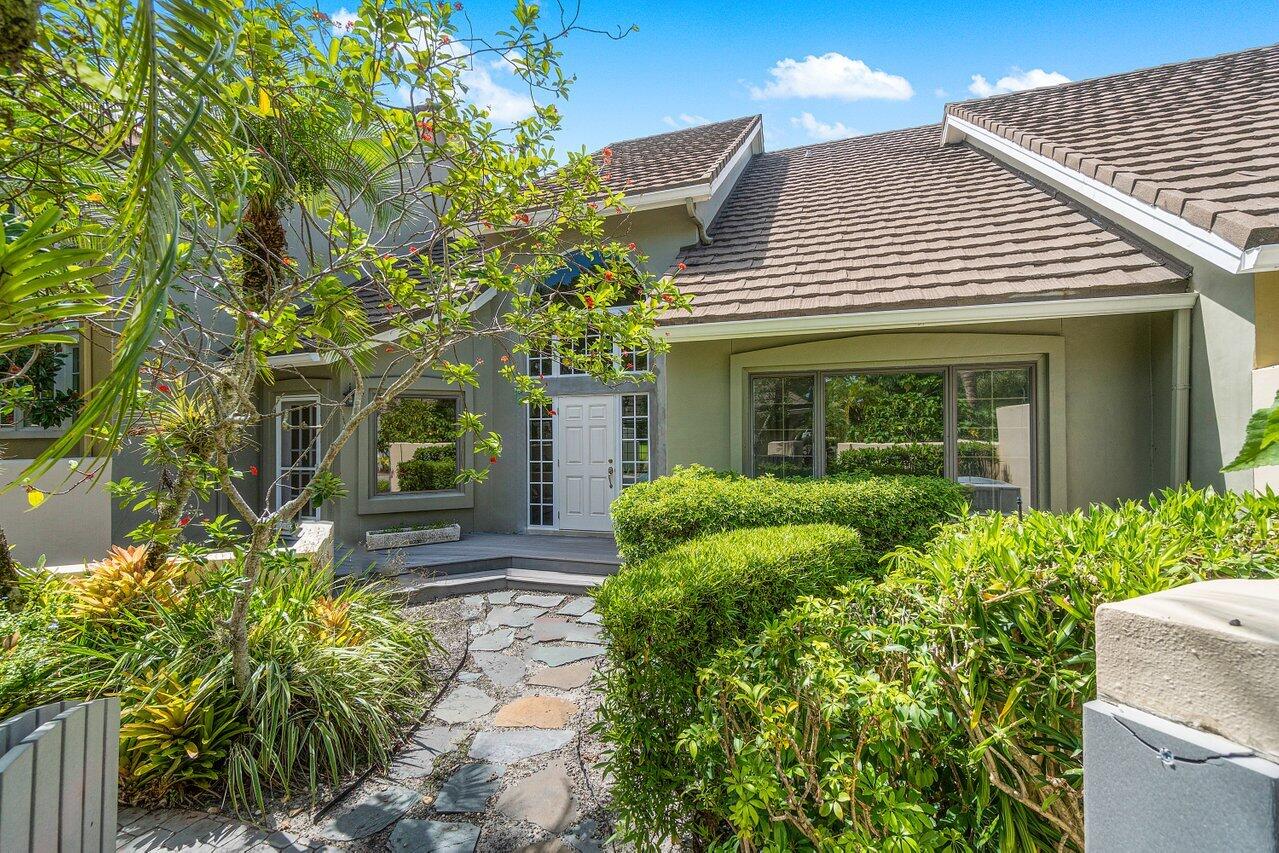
pixel 994 436
pixel 885 423
pixel 782 431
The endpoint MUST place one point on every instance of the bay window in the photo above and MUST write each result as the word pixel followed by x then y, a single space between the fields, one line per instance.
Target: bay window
pixel 974 424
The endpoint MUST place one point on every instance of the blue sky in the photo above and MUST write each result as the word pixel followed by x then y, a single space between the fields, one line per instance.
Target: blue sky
pixel 820 70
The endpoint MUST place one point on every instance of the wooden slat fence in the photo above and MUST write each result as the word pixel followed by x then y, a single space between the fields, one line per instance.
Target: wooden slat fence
pixel 58 766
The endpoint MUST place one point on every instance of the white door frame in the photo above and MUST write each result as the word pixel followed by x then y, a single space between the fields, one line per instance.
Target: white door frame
pixel 610 451
pixel 281 403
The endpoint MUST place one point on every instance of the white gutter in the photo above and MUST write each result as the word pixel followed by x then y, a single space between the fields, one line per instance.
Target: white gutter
pixel 870 321
pixel 1198 241
pixel 312 359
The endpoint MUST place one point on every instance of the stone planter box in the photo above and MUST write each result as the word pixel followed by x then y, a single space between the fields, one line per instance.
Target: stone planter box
pixel 380 540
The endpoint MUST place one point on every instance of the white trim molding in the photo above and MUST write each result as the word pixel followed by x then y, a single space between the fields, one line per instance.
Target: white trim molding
pixel 1198 241
pixel 915 318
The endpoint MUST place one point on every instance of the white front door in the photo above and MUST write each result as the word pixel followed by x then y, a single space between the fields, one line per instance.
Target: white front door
pixel 586 453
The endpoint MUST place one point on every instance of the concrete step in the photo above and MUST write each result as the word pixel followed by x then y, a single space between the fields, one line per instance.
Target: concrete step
pixel 419 588
pixel 563 565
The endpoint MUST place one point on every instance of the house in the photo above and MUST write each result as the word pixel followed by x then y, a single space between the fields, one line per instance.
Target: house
pixel 1057 296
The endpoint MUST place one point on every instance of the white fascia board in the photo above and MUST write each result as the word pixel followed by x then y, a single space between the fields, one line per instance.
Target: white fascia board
pixel 311 359
pixel 914 318
pixel 1198 241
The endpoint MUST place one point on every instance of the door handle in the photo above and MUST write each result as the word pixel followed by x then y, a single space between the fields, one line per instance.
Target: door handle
pixel 610 476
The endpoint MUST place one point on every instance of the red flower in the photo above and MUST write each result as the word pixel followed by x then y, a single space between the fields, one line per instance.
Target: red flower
pixel 253 469
pixel 492 460
pixel 668 298
pixel 551 412
pixel 444 39
pixel 681 266
pixel 457 6
pixel 590 302
pixel 608 153
pixel 608 276
pixel 184 521
pixel 505 359
pixel 630 246
pixel 162 388
pixel 412 250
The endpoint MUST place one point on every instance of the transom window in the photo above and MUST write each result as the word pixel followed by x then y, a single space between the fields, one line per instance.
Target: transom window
pixel 417 445
pixel 973 424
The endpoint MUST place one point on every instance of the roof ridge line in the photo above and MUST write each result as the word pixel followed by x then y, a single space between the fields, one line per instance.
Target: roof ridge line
pixel 752 117
pixel 1133 72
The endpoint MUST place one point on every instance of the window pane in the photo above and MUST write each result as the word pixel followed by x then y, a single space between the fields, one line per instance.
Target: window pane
pixel 417 445
pixel 994 451
pixel 885 423
pixel 299 442
pixel 541 482
pixel 782 425
pixel 634 461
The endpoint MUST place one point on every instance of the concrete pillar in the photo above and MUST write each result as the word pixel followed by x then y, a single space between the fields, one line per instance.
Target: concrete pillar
pixel 1181 747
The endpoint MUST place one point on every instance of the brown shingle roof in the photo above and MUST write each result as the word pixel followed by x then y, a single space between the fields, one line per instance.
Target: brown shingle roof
pixel 1196 138
pixel 688 157
pixel 895 220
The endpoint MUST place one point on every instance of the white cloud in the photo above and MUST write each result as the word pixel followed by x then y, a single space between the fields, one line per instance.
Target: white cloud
pixel 820 130
pixel 684 120
pixel 343 19
pixel 504 104
pixel 1017 81
pixel 832 75
pixel 940 93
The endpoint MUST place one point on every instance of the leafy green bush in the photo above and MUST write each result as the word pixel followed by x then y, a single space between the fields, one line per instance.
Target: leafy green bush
pixel 973 656
pixel 648 518
pixel 665 617
pixel 838 733
pixel 334 679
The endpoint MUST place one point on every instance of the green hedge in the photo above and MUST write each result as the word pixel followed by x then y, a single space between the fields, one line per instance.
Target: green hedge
pixel 648 518
pixel 962 675
pixel 665 617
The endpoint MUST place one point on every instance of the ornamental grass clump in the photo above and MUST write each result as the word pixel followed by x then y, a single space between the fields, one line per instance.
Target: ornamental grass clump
pixel 665 617
pixel 649 518
pixel 334 678
pixel 943 706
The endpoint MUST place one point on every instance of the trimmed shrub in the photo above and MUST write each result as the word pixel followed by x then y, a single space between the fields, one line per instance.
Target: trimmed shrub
pixel 665 617
pixel 648 518
pixel 925 460
pixel 974 657
pixel 334 678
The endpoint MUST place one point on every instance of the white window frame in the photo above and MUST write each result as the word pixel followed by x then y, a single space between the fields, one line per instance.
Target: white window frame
pixel 280 404
pixel 621 438
pixel 528 470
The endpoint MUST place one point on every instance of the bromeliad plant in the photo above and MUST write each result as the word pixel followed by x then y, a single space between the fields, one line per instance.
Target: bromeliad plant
pixel 336 677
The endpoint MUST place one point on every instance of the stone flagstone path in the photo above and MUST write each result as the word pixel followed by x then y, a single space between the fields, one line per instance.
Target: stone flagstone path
pixel 495 768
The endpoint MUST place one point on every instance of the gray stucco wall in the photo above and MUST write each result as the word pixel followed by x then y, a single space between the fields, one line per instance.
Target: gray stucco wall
pixel 1116 413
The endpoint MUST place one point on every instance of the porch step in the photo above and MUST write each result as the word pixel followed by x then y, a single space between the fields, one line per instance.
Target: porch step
pixel 419 589
pixel 560 564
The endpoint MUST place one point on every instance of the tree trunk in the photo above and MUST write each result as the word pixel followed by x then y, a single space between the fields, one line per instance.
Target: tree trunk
pixel 8 575
pixel 262 245
pixel 168 513
pixel 238 625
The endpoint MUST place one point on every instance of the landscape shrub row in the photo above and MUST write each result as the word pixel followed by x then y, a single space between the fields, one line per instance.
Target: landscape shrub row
pixel 888 511
pixel 665 617
pixel 941 707
pixel 334 676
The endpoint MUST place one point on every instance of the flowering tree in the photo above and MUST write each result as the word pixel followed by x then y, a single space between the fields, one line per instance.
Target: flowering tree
pixel 346 198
